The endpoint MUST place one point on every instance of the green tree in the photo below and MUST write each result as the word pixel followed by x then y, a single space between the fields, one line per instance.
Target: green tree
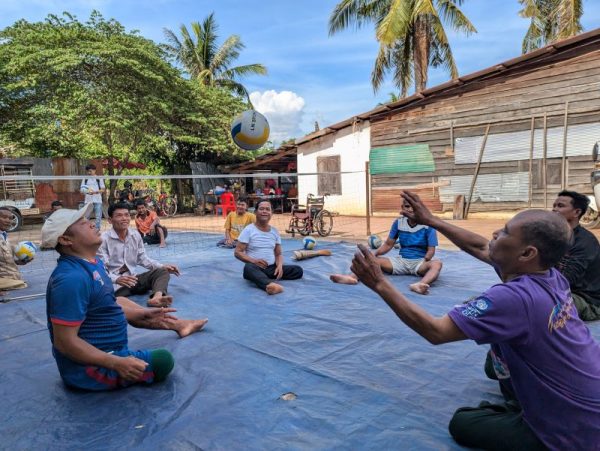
pixel 410 33
pixel 86 90
pixel 551 20
pixel 202 58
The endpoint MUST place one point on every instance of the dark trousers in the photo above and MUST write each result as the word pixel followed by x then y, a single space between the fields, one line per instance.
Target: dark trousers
pixel 153 237
pixel 494 426
pixel 154 280
pixel 263 277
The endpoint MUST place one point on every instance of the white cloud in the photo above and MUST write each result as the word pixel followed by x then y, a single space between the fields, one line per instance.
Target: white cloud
pixel 283 110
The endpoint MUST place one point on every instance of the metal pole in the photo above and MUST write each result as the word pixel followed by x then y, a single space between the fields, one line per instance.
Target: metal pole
pixel 531 144
pixel 468 206
pixel 544 174
pixel 563 179
pixel 368 196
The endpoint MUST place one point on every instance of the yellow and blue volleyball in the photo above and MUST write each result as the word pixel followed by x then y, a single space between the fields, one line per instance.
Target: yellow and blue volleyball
pixel 309 243
pixel 25 250
pixel 375 242
pixel 250 130
pixel 84 189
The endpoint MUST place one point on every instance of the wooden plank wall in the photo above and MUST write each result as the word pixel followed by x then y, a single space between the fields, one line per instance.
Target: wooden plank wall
pixel 507 102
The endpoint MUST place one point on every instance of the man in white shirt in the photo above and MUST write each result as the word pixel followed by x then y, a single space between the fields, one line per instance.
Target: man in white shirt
pixel 93 187
pixel 259 246
pixel 122 251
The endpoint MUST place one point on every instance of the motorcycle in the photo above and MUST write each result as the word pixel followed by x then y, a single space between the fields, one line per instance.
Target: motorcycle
pixel 591 218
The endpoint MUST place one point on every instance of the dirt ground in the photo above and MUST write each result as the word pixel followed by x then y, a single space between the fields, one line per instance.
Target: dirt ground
pixel 345 228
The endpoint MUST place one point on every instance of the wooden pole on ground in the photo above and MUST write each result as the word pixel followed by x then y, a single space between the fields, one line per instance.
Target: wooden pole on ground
pixel 563 178
pixel 468 205
pixel 368 197
pixel 531 144
pixel 544 174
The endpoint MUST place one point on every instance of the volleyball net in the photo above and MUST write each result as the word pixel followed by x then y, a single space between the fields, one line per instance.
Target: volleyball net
pixel 193 208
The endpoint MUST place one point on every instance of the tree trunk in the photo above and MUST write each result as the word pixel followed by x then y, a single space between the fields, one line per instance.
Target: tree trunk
pixel 421 53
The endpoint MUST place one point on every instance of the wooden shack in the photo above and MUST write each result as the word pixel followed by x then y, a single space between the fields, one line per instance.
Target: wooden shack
pixel 526 126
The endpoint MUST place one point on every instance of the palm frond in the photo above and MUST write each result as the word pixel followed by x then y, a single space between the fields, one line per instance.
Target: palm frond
pixel 242 71
pixel 452 15
pixel 227 53
pixel 355 12
pixel 396 22
pixel 569 14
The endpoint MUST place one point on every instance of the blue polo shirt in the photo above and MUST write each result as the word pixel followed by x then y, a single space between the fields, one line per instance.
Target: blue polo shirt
pixel 414 241
pixel 80 293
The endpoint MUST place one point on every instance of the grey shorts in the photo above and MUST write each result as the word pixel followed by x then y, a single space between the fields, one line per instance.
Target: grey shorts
pixel 405 266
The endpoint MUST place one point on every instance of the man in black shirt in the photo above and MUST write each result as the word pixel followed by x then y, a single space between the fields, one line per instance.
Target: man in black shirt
pixel 581 264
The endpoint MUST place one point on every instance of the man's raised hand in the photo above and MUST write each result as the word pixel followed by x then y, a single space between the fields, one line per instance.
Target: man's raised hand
pixel 366 267
pixel 420 213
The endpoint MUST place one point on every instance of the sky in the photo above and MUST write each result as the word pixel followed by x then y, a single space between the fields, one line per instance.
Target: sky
pixel 311 76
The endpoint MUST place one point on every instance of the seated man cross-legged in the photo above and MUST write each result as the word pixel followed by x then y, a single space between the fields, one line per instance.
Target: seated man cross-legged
pixel 259 246
pixel 88 324
pixel 581 264
pixel 148 224
pixel 537 339
pixel 10 276
pixel 236 222
pixel 122 251
pixel 417 248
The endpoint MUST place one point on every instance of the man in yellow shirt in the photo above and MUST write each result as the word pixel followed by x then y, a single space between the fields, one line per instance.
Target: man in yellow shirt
pixel 235 223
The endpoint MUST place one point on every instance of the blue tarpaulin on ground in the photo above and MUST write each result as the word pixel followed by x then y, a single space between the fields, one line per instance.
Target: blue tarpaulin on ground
pixel 361 378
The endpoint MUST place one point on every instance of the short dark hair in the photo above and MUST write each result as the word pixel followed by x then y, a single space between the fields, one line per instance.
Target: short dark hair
pixel 580 201
pixel 117 206
pixel 56 203
pixel 90 166
pixel 262 201
pixel 139 202
pixel 242 199
pixel 550 235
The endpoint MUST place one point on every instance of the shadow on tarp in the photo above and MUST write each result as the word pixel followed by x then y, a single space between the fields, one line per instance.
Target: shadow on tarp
pixel 362 379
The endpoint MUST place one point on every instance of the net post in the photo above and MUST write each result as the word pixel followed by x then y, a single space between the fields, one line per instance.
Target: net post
pixel 368 197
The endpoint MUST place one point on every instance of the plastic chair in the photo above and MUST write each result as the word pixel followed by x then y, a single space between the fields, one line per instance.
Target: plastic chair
pixel 227 204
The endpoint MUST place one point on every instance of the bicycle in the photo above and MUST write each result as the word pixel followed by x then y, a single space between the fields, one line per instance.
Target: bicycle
pixel 311 218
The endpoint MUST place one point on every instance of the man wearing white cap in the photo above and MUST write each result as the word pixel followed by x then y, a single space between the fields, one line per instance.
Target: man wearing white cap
pixel 88 324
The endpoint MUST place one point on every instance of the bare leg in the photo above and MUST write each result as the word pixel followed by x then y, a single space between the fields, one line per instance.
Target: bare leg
pixel 346 279
pixel 161 235
pixel 160 300
pixel 274 288
pixel 351 279
pixel 430 271
pixel 183 327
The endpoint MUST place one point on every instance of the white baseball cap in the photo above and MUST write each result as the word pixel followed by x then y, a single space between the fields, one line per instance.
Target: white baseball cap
pixel 59 222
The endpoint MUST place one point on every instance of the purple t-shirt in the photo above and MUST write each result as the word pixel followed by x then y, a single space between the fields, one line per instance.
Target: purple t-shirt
pixel 547 351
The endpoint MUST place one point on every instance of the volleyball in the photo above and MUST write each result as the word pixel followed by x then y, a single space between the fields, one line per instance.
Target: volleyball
pixel 309 243
pixel 84 189
pixel 250 130
pixel 375 242
pixel 25 251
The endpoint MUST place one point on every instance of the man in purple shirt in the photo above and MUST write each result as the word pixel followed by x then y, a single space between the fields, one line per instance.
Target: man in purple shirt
pixel 537 340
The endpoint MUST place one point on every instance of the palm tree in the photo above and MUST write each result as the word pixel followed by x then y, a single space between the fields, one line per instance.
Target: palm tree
pixel 203 60
pixel 410 33
pixel 551 20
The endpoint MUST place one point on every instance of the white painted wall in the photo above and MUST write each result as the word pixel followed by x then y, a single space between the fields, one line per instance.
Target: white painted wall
pixel 352 144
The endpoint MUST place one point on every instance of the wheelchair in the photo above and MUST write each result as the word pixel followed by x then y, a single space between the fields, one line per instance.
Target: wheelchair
pixel 311 218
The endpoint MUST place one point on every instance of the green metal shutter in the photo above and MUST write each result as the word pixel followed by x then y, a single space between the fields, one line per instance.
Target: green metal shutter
pixel 400 159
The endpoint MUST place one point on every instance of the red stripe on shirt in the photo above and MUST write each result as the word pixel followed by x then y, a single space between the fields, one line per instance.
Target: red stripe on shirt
pixel 62 322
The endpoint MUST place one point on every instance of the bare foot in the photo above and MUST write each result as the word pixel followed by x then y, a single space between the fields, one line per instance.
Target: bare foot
pixel 3 293
pixel 343 278
pixel 187 327
pixel 419 287
pixel 160 301
pixel 162 245
pixel 274 288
